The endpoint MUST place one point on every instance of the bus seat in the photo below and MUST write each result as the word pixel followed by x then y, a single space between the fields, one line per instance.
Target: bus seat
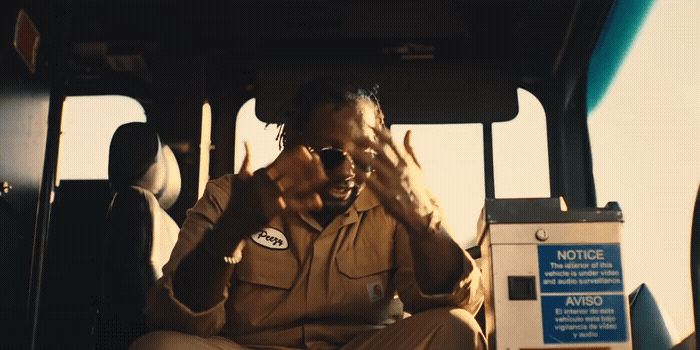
pixel 70 288
pixel 651 327
pixel 695 261
pixel 140 234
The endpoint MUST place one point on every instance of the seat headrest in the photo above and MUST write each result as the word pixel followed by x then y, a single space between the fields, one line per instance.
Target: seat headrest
pixel 133 149
pixel 137 158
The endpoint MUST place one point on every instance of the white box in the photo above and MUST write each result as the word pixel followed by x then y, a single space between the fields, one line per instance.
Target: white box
pixel 553 277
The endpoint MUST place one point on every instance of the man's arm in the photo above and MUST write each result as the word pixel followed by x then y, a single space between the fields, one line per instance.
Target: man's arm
pixel 438 259
pixel 421 291
pixel 203 275
pixel 192 293
pixel 289 183
pixel 397 180
pixel 164 309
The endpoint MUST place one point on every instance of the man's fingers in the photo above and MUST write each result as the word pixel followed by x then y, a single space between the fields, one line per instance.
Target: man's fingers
pixel 378 154
pixel 305 178
pixel 381 164
pixel 246 167
pixel 302 188
pixel 281 203
pixel 296 162
pixel 305 204
pixel 273 206
pixel 316 168
pixel 385 137
pixel 388 149
pixel 294 156
pixel 362 176
pixel 385 195
pixel 284 183
pixel 379 150
pixel 291 184
pixel 409 149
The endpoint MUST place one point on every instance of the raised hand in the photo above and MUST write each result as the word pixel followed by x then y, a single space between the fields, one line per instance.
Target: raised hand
pixel 397 179
pixel 246 167
pixel 298 175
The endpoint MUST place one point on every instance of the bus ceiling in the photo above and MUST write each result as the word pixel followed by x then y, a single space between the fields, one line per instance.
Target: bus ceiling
pixel 463 61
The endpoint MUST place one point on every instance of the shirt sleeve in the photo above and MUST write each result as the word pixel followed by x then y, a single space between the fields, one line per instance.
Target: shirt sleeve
pixel 163 310
pixel 466 293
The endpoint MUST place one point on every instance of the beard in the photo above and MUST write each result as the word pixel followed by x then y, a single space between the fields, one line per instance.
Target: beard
pixel 333 206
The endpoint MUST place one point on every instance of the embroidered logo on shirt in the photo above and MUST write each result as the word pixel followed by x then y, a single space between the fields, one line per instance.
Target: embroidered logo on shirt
pixel 375 291
pixel 270 238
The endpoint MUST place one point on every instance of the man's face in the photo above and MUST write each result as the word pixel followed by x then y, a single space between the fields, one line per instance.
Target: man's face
pixel 337 126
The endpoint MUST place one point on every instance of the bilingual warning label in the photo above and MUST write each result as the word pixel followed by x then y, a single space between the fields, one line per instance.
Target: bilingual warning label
pixel 586 318
pixel 580 268
pixel 583 298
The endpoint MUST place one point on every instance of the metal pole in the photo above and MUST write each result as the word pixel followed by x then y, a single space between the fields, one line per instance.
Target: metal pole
pixel 488 161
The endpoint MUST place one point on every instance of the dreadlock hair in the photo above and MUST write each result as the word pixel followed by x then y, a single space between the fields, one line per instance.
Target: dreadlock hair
pixel 334 90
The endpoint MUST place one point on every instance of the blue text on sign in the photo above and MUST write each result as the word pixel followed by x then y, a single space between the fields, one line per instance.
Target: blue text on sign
pixel 580 268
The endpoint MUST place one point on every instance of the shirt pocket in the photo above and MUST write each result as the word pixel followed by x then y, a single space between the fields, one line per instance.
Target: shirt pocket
pixel 365 283
pixel 365 258
pixel 267 267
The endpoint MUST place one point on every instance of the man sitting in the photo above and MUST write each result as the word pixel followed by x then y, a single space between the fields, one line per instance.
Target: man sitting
pixel 309 251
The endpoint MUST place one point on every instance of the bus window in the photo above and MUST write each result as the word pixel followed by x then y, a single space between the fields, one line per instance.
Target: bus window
pixel 260 136
pixel 453 161
pixel 646 154
pixel 452 157
pixel 454 170
pixel 204 149
pixel 520 162
pixel 87 125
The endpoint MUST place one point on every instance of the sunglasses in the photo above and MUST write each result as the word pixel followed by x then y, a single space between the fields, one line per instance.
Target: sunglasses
pixel 332 157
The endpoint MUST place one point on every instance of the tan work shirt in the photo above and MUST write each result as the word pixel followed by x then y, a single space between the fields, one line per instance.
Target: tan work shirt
pixel 301 285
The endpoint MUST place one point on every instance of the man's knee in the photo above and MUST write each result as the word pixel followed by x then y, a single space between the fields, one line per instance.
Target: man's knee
pixel 162 340
pixel 170 340
pixel 457 330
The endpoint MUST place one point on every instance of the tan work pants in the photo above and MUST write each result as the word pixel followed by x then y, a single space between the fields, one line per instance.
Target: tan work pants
pixel 434 329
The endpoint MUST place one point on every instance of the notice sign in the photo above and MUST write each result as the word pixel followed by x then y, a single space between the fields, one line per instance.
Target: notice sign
pixel 583 298
pixel 584 318
pixel 580 268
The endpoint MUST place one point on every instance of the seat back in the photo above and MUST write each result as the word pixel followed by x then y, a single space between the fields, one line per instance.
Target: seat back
pixel 70 287
pixel 651 329
pixel 140 237
pixel 127 269
pixel 140 234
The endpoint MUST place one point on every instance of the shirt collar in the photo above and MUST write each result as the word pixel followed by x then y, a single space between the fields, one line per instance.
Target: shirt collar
pixel 366 200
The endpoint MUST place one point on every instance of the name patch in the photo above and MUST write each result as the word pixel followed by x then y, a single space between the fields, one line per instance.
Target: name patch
pixel 270 238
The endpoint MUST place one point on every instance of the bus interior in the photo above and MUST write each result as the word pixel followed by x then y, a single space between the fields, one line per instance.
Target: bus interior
pixel 208 75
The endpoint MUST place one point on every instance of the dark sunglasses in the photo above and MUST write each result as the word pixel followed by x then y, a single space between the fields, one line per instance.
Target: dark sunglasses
pixel 332 157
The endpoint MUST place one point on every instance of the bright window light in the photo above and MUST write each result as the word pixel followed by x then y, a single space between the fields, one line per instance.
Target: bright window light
pixel 87 126
pixel 520 155
pixel 646 154
pixel 260 138
pixel 204 149
pixel 453 163
pixel 452 158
